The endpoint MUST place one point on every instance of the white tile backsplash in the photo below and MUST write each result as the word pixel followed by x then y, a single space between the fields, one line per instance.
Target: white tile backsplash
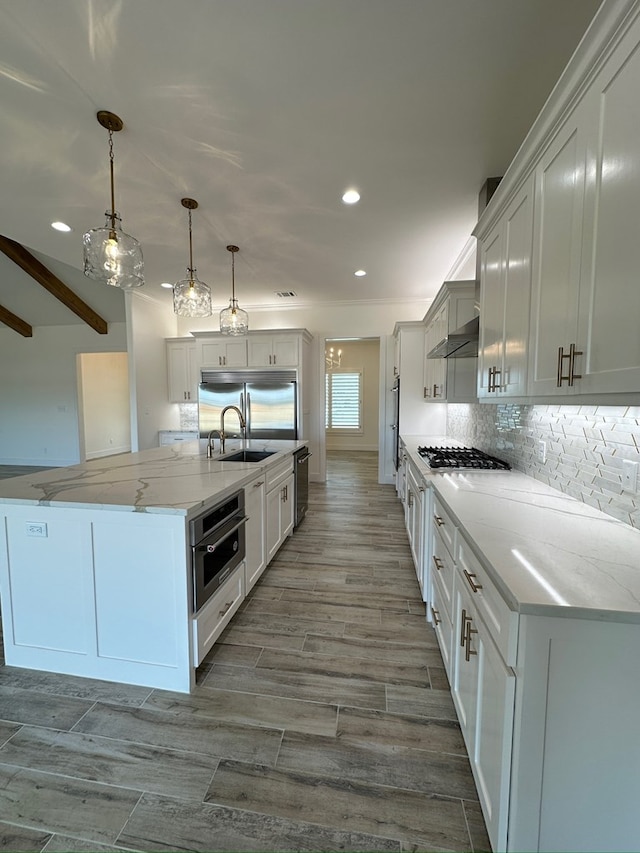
pixel 585 447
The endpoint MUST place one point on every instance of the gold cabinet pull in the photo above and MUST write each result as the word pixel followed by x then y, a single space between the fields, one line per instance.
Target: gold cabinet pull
pixel 438 562
pixel 463 627
pixel 435 615
pixel 490 381
pixel 573 352
pixel 425 393
pixel 470 579
pixel 435 389
pixel 225 610
pixel 438 520
pixel 468 651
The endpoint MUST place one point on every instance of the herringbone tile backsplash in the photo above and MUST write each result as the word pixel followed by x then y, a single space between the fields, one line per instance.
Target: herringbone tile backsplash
pixel 585 447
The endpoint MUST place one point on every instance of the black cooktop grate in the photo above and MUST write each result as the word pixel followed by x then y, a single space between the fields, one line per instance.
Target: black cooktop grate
pixel 461 457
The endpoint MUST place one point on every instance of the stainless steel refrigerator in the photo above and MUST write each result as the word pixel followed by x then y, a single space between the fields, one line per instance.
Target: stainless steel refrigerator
pixel 267 399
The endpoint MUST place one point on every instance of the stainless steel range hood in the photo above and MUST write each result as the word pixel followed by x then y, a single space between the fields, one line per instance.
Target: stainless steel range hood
pixel 463 343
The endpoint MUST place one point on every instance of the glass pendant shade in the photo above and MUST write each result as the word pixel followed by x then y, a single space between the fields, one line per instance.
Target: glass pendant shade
pixel 233 320
pixel 112 256
pixel 192 297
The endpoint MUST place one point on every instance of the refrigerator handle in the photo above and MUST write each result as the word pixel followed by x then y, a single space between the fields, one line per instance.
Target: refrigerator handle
pixel 247 416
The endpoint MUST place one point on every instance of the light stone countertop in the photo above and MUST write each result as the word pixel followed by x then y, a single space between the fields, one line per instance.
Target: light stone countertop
pixel 548 553
pixel 176 480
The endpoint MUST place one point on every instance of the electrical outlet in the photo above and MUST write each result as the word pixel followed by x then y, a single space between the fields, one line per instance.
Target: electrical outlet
pixel 36 528
pixel 629 475
pixel 542 451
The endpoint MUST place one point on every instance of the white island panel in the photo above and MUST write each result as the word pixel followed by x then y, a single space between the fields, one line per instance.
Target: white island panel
pixel 51 591
pixel 141 594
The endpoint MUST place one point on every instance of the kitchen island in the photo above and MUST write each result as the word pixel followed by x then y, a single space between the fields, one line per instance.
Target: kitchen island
pixel 95 560
pixel 535 601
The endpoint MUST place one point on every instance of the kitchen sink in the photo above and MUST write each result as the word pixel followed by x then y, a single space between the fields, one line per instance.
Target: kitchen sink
pixel 248 456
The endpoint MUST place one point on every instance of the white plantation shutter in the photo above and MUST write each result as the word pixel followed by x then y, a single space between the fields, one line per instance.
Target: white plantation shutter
pixel 344 401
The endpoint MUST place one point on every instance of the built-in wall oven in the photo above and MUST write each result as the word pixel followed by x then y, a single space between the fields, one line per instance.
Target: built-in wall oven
pixel 217 546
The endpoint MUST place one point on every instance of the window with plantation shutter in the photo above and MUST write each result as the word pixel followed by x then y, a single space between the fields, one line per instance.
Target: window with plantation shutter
pixel 343 401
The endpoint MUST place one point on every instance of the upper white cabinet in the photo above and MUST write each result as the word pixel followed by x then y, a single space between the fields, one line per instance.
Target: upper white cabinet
pixel 182 371
pixel 557 239
pixel 273 350
pixel 450 380
pixel 584 160
pixel 505 265
pixel 222 352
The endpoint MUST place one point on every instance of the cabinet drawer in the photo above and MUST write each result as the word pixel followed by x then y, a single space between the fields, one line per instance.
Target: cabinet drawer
pixel 443 568
pixel 216 614
pixel 444 525
pixel 277 474
pixel 501 622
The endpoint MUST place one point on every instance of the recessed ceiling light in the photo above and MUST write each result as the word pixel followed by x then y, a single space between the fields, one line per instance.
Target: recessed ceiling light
pixel 351 197
pixel 360 273
pixel 167 284
pixel 61 226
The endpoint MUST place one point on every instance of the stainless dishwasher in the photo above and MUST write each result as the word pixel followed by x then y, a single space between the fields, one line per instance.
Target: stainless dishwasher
pixel 301 472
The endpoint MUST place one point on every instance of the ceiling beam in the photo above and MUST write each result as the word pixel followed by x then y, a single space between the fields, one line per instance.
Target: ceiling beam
pixel 32 266
pixel 16 323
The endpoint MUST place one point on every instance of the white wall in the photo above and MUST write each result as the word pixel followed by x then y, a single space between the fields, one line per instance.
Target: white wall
pixel 148 324
pixel 38 391
pixel 363 356
pixel 103 400
pixel 342 319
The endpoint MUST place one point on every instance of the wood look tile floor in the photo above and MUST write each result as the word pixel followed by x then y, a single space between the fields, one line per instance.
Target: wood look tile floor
pixel 321 721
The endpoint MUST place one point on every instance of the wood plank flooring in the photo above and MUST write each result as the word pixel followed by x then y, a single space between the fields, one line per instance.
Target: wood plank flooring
pixel 322 720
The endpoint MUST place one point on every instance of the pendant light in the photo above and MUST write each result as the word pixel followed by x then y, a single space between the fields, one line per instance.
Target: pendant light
pixel 191 297
pixel 110 255
pixel 233 320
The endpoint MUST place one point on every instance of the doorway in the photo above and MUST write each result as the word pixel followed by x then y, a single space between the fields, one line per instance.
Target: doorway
pixel 104 424
pixel 352 394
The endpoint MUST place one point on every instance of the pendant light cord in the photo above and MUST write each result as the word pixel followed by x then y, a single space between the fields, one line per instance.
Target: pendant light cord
pixel 233 276
pixel 112 235
pixel 190 248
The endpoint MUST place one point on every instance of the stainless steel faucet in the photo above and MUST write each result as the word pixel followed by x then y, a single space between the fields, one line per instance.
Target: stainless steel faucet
pixel 243 424
pixel 210 444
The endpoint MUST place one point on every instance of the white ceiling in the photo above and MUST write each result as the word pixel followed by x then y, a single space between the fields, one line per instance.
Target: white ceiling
pixel 265 111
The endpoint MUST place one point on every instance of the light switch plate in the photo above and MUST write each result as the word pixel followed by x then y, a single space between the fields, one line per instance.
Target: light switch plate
pixel 542 451
pixel 36 528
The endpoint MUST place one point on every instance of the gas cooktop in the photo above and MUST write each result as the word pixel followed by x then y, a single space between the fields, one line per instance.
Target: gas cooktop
pixel 461 457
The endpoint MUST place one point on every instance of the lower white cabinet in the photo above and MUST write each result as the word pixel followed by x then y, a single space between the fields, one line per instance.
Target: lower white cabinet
pixel 415 522
pixel 441 621
pixel 255 529
pixel 483 690
pixel 280 506
pixel 215 615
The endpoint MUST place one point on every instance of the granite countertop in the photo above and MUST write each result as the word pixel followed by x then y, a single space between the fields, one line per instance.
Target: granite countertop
pixel 548 553
pixel 177 479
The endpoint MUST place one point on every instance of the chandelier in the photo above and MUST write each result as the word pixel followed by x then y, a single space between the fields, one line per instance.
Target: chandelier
pixel 191 297
pixel 332 358
pixel 110 255
pixel 233 320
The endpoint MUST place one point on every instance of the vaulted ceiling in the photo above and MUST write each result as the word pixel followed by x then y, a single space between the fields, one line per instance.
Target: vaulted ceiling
pixel 265 111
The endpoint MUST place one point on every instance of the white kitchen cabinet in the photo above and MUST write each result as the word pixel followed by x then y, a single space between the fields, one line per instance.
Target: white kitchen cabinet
pixel 255 530
pixel 416 521
pixel 505 275
pixel 450 380
pixel 441 622
pixel 609 294
pixel 215 615
pixel 280 505
pixel 435 369
pixel 222 352
pixel 483 690
pixel 557 251
pixel 182 370
pixel 273 350
pixel 583 157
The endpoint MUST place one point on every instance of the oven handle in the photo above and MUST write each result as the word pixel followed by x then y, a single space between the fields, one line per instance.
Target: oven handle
pixel 219 539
